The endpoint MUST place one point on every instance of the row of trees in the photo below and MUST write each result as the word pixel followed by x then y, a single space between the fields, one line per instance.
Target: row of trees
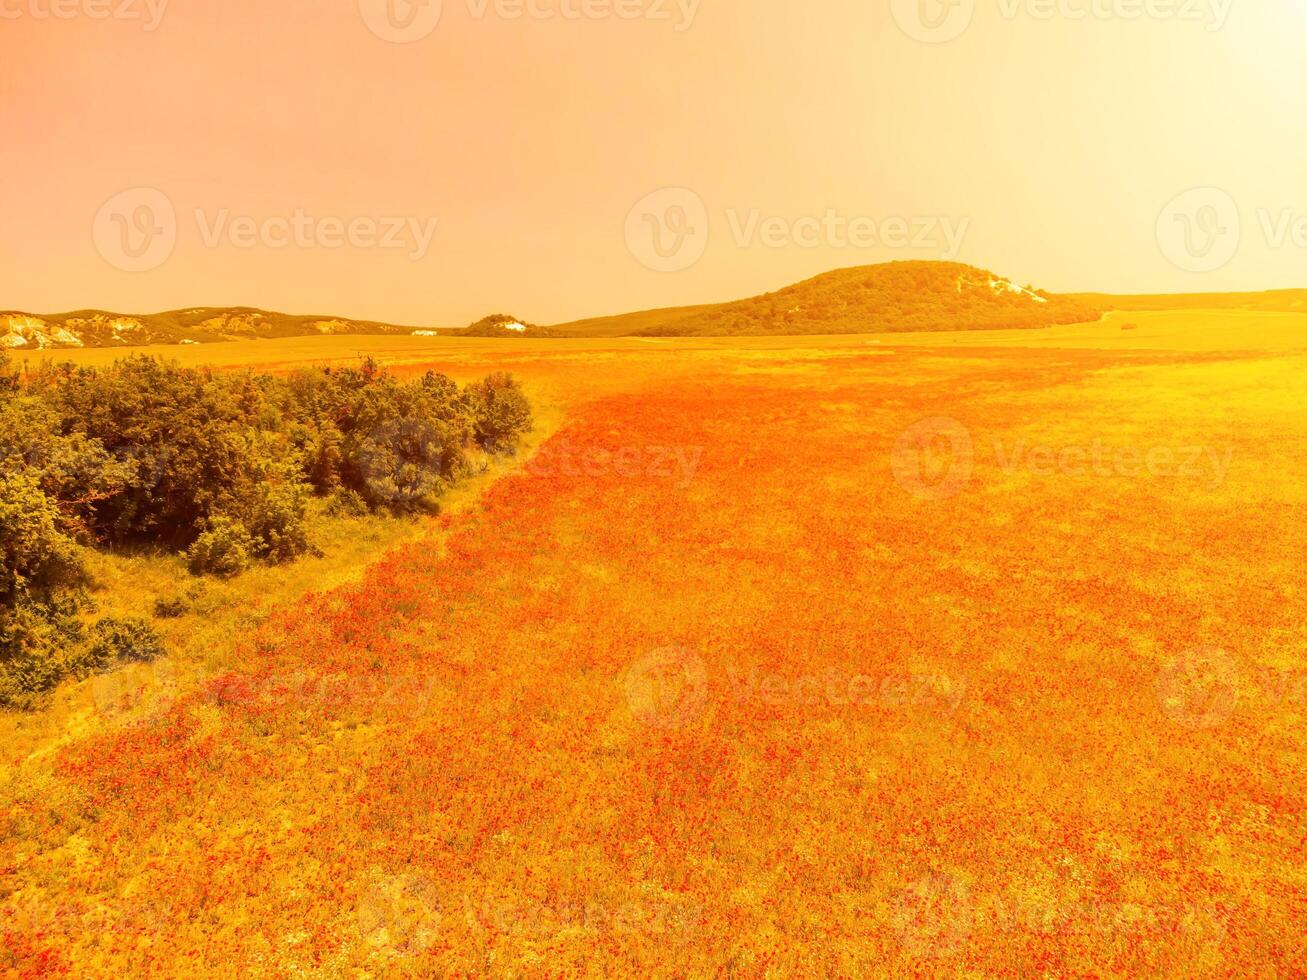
pixel 218 465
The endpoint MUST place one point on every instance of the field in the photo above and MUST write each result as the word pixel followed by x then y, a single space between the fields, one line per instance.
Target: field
pixel 949 654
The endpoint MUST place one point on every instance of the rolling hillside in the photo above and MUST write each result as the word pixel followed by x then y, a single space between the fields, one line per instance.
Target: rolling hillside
pixel 892 297
pixel 896 296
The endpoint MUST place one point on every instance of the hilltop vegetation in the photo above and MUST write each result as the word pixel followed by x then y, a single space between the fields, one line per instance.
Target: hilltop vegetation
pixel 898 296
pixel 503 325
pixel 220 466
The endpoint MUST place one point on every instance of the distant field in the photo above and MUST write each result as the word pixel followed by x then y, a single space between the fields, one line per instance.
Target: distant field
pixel 1273 300
pixel 1195 330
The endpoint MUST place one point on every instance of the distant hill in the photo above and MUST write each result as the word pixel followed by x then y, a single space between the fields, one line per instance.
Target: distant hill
pixel 628 324
pixel 893 297
pixel 199 325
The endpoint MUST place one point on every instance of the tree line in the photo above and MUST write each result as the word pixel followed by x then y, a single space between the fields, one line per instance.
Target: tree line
pixel 220 466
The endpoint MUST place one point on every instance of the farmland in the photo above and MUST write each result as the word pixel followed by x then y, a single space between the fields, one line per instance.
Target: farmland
pixel 950 654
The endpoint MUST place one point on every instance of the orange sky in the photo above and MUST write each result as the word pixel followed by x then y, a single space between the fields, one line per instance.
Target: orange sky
pixel 1043 147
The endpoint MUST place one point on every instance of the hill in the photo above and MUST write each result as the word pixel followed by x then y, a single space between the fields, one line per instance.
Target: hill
pixel 892 297
pixel 895 296
pixel 199 325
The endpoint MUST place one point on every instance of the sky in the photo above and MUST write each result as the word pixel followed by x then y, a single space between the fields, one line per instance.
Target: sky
pixel 430 163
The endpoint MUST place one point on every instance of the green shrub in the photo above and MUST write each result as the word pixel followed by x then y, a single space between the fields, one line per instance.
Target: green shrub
pixel 41 576
pixel 499 411
pixel 75 470
pixel 346 503
pixel 273 515
pixel 223 550
pixel 8 375
pixel 171 607
pixel 402 464
pixel 115 641
pixel 185 434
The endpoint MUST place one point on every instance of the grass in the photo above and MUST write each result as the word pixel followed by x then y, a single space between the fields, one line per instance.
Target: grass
pixel 849 690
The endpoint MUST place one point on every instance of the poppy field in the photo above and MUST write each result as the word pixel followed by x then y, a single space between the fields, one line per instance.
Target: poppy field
pixel 866 660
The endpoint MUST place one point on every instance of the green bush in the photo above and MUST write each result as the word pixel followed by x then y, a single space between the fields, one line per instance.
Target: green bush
pixel 73 469
pixel 500 412
pixel 273 514
pixel 185 434
pixel 41 591
pixel 224 550
pixel 115 641
pixel 171 607
pixel 217 465
pixel 346 503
